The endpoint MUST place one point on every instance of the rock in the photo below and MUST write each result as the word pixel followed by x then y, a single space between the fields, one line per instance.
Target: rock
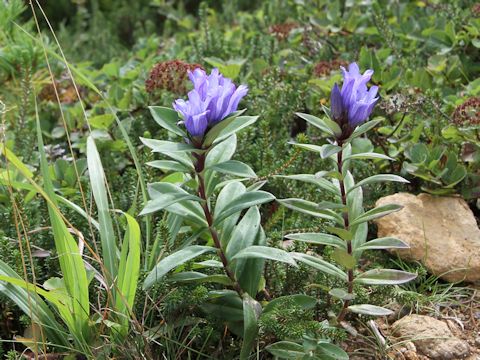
pixel 442 233
pixel 431 337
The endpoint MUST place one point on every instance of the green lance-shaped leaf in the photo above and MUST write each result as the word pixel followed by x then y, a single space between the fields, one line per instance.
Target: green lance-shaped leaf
pixel 244 201
pixel 172 261
pixel 341 294
pixel 319 239
pixel 99 190
pixel 320 264
pixel 384 277
pixel 369 155
pixel 303 301
pixel 325 151
pixel 163 146
pixel 371 310
pixel 181 157
pixel 286 350
pixel 128 271
pixel 225 305
pixel 200 278
pixel 362 129
pixel 376 213
pixel 247 233
pixel 169 165
pixel 383 243
pixel 311 208
pixel 265 252
pixel 42 315
pixel 228 194
pixel 165 194
pixel 251 313
pixel 379 178
pixel 70 259
pixel 326 125
pixel 226 128
pixel 167 118
pixel 188 209
pixel 322 183
pixel 234 167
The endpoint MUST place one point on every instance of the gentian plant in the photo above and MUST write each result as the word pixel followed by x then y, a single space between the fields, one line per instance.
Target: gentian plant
pixel 351 107
pixel 220 213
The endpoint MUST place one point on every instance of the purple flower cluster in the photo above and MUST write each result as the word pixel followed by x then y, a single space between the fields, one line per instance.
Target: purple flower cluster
pixel 354 103
pixel 212 99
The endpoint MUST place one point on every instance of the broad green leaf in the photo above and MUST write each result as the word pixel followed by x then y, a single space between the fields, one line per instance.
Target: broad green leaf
pixel 163 146
pixel 165 194
pixel 226 128
pixel 99 190
pixel 376 213
pixel 234 167
pixel 324 124
pixel 303 301
pixel 343 233
pixel 167 118
pixel 327 351
pixel 101 121
pixel 370 155
pixel 244 201
pixel 221 152
pixel 172 261
pixel 320 264
pixel 318 238
pixel 344 259
pixel 384 277
pixel 372 310
pixel 251 312
pixel 383 243
pixel 310 208
pixel 169 165
pixel 265 252
pixel 286 350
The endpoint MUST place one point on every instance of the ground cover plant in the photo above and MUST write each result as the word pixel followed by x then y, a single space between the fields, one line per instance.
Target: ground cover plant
pixel 198 180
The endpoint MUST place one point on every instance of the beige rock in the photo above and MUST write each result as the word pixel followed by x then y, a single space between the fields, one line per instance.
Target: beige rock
pixel 431 337
pixel 441 231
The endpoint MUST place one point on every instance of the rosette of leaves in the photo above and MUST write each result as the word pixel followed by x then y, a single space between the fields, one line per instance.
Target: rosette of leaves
pixel 438 167
pixel 206 198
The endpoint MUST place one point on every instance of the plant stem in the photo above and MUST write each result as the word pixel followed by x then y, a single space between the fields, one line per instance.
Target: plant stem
pixel 343 193
pixel 199 166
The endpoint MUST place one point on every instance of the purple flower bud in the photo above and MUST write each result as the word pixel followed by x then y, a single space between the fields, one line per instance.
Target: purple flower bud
pixel 212 99
pixel 353 104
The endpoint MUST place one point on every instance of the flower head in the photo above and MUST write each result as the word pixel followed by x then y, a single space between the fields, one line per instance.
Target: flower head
pixel 353 104
pixel 212 99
